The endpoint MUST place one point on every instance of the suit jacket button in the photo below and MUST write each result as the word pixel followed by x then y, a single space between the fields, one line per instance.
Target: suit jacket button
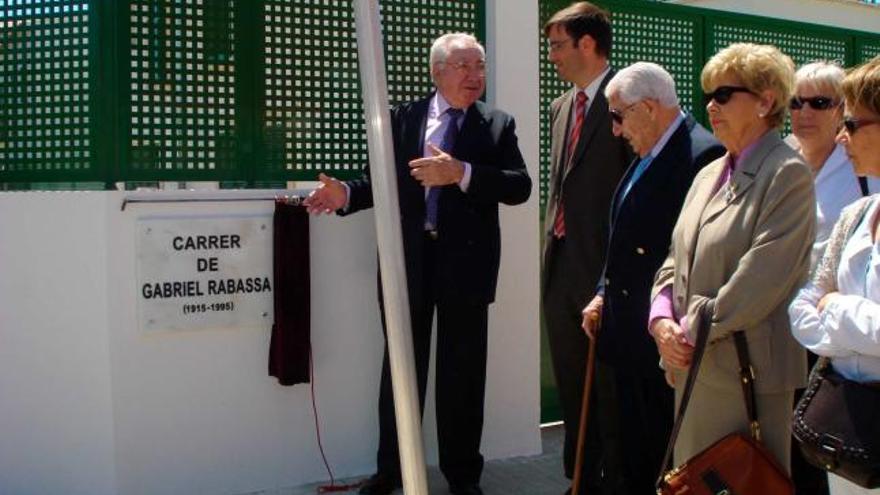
pixel 640 250
pixel 607 281
pixel 625 292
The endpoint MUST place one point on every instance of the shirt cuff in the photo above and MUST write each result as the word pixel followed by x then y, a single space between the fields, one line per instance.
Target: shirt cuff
pixel 661 307
pixel 688 336
pixel 347 198
pixel 465 181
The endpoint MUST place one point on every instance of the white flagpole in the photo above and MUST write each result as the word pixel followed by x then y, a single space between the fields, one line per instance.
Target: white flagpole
pixel 389 236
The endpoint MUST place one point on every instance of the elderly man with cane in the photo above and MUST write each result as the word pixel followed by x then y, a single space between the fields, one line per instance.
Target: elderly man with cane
pixel 671 149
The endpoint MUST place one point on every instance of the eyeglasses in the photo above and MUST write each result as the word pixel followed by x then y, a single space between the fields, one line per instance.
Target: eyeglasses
pixel 852 125
pixel 555 45
pixel 618 115
pixel 723 94
pixel 466 67
pixel 816 103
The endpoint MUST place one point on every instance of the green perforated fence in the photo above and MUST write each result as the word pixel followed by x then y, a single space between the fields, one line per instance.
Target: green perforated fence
pixel 242 91
pixel 683 38
pixel 314 118
pixel 45 89
pixel 183 92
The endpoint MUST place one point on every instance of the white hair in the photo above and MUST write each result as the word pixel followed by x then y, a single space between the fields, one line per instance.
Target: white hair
pixel 642 81
pixel 443 45
pixel 822 75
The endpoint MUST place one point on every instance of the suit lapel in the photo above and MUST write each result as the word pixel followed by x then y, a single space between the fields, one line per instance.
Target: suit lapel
pixel 413 140
pixel 743 178
pixel 704 185
pixel 560 129
pixel 473 119
pixel 657 168
pixel 596 115
pixel 419 123
pixel 616 203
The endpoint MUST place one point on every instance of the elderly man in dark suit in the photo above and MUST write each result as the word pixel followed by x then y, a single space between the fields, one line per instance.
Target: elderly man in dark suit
pixel 672 148
pixel 587 161
pixel 450 183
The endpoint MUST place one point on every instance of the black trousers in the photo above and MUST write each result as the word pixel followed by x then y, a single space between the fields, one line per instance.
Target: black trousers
pixel 460 374
pixel 645 406
pixel 563 303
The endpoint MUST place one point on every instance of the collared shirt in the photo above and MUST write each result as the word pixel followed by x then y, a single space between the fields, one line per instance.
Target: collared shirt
pixel 655 151
pixel 591 91
pixel 438 121
pixel 435 127
pixel 836 187
pixel 733 162
pixel 848 328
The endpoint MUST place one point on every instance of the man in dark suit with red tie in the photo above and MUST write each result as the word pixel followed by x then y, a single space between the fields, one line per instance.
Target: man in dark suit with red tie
pixel 587 161
pixel 456 160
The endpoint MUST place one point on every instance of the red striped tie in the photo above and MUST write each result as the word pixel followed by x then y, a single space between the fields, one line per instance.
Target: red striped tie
pixel 573 136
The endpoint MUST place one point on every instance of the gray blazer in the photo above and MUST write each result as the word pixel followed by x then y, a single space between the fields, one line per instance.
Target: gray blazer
pixel 743 253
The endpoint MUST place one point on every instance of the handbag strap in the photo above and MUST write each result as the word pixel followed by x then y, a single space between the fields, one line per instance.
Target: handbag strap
pixel 747 379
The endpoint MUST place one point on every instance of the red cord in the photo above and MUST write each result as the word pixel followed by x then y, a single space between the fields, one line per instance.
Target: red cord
pixel 332 487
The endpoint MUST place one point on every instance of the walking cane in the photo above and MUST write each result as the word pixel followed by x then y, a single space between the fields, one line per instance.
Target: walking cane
pixel 585 408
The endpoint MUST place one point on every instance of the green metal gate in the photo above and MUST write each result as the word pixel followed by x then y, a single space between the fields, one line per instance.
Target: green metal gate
pixel 248 91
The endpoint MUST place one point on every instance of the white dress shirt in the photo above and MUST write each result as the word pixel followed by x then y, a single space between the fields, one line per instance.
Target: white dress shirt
pixel 591 91
pixel 435 127
pixel 848 329
pixel 836 187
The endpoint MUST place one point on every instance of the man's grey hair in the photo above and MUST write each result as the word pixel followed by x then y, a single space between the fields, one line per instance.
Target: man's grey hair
pixel 643 81
pixel 821 75
pixel 452 41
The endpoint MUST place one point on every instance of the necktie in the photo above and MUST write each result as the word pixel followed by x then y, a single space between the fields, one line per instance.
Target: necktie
pixel 573 137
pixel 433 200
pixel 640 169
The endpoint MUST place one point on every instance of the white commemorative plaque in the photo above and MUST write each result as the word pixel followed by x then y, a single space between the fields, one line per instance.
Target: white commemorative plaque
pixel 204 272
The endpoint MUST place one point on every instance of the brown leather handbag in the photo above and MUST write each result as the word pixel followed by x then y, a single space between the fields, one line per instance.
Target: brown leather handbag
pixel 737 464
pixel 837 424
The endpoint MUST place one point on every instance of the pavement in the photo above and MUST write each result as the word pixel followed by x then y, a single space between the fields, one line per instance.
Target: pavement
pixel 532 475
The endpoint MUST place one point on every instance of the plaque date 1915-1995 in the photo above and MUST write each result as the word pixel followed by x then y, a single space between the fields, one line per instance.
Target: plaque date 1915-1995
pixel 207 307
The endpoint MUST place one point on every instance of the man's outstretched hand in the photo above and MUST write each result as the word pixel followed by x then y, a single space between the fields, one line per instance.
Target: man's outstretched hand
pixel 328 197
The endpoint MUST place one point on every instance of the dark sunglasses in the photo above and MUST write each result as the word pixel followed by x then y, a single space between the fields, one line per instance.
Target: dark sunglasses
pixel 618 115
pixel 816 103
pixel 852 125
pixel 723 94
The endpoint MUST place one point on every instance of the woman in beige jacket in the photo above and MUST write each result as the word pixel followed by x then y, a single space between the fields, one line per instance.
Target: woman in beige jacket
pixel 740 250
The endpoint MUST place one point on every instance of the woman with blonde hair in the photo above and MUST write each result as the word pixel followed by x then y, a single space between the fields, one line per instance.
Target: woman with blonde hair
pixel 739 252
pixel 837 315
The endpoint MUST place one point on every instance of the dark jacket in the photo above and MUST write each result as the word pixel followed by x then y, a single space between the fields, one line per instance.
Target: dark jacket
pixel 641 230
pixel 469 243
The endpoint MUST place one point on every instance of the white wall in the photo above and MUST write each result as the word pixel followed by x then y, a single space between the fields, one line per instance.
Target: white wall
pixel 90 404
pixel 512 33
pixel 56 414
pixel 848 14
pixel 195 411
